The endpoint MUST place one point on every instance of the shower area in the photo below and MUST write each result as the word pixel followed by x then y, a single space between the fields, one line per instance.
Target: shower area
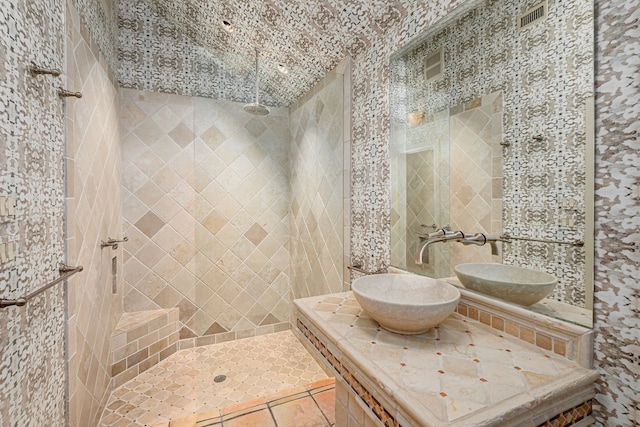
pixel 232 205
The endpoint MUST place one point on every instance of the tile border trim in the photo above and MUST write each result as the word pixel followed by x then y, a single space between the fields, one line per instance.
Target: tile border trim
pixel 562 338
pixel 572 416
pixel 367 398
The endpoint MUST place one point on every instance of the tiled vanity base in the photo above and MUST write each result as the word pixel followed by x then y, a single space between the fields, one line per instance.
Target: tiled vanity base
pixel 462 373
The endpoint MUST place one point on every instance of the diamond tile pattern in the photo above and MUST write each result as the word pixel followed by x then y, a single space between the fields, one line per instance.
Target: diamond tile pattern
pixel 205 203
pixel 452 370
pixel 449 172
pixel 183 384
pixel 317 129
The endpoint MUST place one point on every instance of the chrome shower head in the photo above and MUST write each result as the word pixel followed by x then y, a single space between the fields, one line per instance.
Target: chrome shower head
pixel 256 108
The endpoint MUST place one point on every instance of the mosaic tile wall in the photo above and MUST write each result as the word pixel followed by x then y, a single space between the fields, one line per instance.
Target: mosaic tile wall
pixel 537 93
pixel 156 55
pixel 32 368
pixel 616 183
pixel 617 276
pixel 93 214
pixel 316 126
pixel 205 205
pixel 202 59
pixel 101 20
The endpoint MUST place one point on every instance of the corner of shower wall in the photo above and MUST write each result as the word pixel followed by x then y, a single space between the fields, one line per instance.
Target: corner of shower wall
pixel 320 185
pixel 93 207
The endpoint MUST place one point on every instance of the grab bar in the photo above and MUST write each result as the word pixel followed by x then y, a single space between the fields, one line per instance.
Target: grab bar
pixel 577 243
pixel 65 272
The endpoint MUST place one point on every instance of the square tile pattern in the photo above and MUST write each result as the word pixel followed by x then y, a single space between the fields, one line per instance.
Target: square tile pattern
pixel 183 384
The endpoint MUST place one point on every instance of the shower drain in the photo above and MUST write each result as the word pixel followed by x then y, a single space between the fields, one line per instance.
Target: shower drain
pixel 219 378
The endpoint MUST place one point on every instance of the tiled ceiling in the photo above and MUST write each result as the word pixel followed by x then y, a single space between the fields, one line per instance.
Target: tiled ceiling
pixel 309 36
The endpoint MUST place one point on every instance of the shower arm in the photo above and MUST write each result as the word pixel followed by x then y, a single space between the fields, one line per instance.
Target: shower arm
pixel 257 79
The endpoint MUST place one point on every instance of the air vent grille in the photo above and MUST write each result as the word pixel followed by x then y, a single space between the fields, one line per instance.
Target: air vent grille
pixel 533 15
pixel 434 65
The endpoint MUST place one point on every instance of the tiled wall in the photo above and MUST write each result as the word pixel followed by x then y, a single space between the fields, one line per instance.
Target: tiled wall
pixel 32 346
pixel 616 180
pixel 617 218
pixel 317 154
pixel 544 94
pixel 157 55
pixel 141 340
pixel 93 214
pixel 205 204
pixel 450 168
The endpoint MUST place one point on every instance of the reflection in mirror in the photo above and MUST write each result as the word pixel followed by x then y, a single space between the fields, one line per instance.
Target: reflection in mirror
pixel 491 132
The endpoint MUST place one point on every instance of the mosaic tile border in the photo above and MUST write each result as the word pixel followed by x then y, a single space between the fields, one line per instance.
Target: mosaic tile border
pixel 564 339
pixel 381 413
pixel 571 416
pixel 232 335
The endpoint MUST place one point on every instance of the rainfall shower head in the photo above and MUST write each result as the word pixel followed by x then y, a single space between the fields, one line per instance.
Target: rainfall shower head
pixel 256 108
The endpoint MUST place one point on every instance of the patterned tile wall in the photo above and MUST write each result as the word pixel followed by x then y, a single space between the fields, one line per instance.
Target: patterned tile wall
pixel 180 47
pixel 617 275
pixel 93 214
pixel 205 205
pixel 101 20
pixel 536 93
pixel 32 368
pixel 316 126
pixel 157 55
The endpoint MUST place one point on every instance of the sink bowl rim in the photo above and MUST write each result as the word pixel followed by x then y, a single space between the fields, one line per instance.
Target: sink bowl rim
pixel 434 283
pixel 460 268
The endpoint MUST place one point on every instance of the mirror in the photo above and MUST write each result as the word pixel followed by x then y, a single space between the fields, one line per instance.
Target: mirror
pixel 492 132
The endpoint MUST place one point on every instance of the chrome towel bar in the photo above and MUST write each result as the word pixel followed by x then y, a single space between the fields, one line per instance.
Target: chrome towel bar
pixel 65 272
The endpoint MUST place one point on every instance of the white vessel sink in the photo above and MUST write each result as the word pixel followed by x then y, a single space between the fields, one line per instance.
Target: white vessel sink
pixel 405 303
pixel 514 284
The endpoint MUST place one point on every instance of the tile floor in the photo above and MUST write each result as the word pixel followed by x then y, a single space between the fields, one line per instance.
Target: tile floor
pixel 310 406
pixel 183 384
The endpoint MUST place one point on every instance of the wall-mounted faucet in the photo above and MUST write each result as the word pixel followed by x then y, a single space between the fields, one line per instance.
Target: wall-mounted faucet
pixel 446 235
pixel 442 235
pixel 112 242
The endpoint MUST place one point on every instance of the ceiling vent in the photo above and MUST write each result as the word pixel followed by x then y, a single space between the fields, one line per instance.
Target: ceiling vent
pixel 434 66
pixel 535 14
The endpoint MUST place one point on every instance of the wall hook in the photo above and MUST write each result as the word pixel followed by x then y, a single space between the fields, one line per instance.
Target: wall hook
pixel 63 93
pixel 36 70
pixel 113 243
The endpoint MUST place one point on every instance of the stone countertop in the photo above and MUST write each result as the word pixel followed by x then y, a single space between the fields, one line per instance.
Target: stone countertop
pixel 461 373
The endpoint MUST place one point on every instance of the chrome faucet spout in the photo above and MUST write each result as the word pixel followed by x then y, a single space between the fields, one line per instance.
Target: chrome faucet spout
pixel 422 255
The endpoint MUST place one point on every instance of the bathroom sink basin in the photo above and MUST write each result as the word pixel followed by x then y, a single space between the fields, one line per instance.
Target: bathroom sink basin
pixel 405 303
pixel 514 284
